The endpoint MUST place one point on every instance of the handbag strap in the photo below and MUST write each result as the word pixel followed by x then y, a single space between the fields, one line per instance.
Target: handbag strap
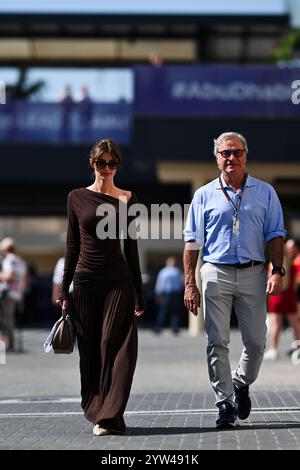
pixel 64 312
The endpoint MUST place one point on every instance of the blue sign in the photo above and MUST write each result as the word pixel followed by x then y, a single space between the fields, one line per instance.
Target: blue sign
pixel 215 91
pixel 65 122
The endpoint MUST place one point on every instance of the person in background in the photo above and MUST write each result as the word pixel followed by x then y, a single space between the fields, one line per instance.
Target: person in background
pixel 67 105
pixel 67 97
pixel 296 263
pixel 31 300
pixel 84 107
pixel 108 291
pixel 83 95
pixel 168 291
pixel 13 277
pixel 295 346
pixel 284 305
pixel 232 219
pixel 156 59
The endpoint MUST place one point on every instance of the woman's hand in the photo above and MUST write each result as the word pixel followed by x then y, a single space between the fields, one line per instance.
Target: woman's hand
pixel 138 313
pixel 63 303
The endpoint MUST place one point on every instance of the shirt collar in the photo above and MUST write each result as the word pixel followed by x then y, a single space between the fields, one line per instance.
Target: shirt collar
pixel 250 182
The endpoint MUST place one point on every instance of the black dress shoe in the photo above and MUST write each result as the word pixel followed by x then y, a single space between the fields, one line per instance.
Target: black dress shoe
pixel 227 416
pixel 243 401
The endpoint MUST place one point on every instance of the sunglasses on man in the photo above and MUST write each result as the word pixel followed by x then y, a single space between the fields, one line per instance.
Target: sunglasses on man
pixel 235 152
pixel 101 164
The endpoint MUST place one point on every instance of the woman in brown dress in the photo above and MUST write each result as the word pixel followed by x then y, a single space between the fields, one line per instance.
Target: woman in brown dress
pixel 107 292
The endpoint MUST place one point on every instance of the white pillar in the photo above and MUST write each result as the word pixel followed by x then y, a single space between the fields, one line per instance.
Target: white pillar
pixel 196 324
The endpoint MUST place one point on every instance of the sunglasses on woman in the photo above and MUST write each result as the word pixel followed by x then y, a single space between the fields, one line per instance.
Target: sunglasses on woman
pixel 112 164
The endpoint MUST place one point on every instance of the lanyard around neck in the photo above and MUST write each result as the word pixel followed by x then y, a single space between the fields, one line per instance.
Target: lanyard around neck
pixel 236 208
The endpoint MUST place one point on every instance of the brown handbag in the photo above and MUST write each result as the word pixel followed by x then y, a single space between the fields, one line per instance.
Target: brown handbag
pixel 63 337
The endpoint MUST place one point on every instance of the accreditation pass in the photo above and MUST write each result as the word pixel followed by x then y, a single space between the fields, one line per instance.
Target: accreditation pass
pixel 235 225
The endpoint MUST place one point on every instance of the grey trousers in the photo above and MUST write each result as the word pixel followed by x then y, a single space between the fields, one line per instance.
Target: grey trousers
pixel 245 289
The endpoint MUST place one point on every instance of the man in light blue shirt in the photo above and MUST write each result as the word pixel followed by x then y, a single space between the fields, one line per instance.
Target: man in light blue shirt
pixel 232 219
pixel 168 290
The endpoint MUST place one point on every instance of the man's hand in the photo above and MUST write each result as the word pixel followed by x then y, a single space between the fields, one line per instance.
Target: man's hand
pixel 192 298
pixel 274 285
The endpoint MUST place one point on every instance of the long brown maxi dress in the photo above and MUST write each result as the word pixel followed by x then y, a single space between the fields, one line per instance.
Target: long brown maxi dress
pixel 107 288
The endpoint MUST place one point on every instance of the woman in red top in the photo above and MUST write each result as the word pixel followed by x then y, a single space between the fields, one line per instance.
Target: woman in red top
pixel 284 304
pixel 296 263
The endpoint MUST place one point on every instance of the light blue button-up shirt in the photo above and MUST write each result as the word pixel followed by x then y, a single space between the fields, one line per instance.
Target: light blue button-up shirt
pixel 210 221
pixel 169 279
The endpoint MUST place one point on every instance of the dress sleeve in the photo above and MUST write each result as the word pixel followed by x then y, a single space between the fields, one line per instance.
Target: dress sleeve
pixel 72 250
pixel 132 257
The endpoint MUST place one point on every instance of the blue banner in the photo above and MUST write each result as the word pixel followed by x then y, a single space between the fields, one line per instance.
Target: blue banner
pixel 215 91
pixel 65 122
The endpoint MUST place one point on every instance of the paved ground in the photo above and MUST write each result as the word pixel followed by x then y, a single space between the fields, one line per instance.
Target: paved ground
pixel 171 406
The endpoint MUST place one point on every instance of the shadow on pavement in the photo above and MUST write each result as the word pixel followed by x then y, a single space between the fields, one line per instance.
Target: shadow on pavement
pixel 197 430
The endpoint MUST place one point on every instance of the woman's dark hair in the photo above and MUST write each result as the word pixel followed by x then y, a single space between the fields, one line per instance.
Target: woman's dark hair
pixel 105 146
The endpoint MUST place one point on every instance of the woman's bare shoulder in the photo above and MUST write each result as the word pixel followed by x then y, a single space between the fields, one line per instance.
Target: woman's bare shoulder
pixel 123 193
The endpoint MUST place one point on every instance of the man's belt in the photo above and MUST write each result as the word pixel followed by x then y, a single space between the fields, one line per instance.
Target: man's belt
pixel 242 265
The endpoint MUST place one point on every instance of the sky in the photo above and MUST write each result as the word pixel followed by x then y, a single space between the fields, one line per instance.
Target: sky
pixel 105 85
pixel 153 7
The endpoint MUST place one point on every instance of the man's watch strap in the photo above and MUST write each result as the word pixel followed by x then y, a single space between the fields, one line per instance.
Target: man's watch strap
pixel 278 270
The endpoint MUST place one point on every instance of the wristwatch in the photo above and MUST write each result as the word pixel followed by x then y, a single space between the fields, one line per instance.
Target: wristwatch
pixel 278 270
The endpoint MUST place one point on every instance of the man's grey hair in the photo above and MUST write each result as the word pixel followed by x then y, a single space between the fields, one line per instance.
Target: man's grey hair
pixel 229 135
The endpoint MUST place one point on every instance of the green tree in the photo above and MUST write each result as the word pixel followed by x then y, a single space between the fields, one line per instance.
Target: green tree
pixel 22 90
pixel 287 48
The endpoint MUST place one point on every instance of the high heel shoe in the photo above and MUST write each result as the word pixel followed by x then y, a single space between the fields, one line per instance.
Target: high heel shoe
pixel 98 431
